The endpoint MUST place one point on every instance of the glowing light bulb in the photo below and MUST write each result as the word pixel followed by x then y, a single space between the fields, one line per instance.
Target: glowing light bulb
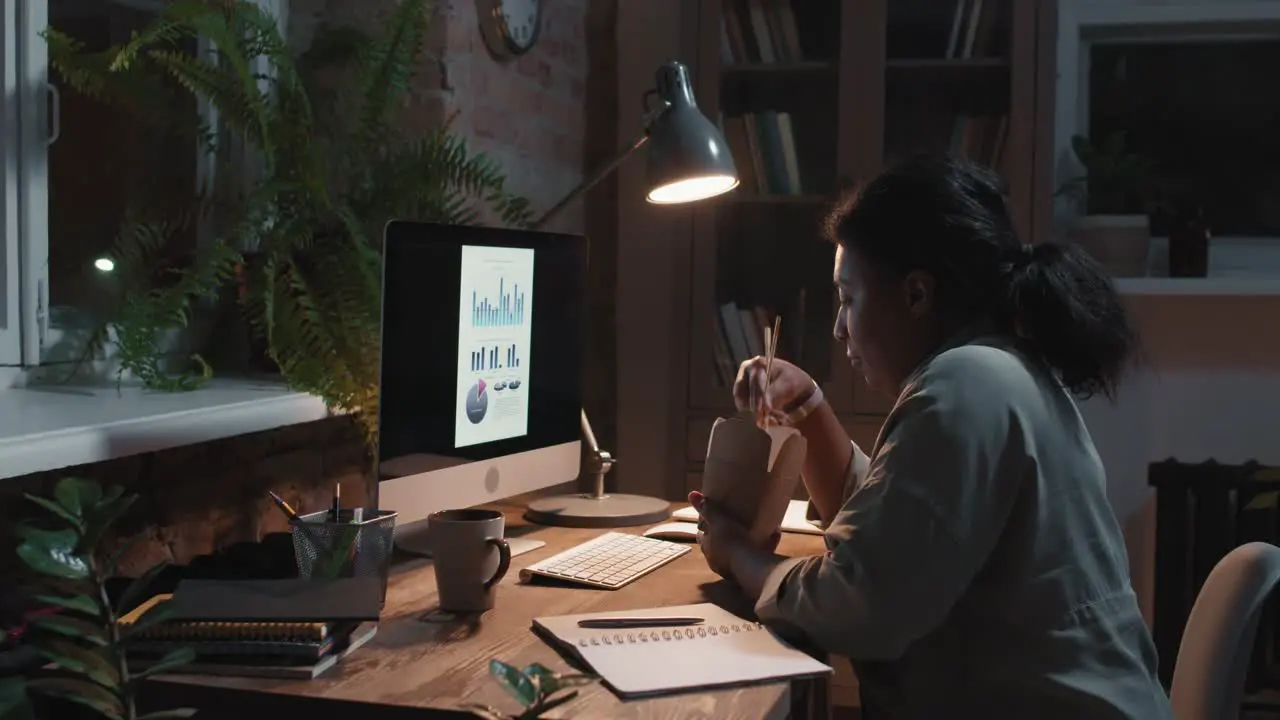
pixel 105 265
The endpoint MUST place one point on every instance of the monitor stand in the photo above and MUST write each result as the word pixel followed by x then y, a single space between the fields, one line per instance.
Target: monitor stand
pixel 412 540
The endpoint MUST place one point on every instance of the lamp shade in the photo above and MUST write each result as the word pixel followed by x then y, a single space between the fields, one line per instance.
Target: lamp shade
pixel 689 159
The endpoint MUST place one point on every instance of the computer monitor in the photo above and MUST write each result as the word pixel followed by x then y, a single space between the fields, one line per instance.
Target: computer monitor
pixel 480 395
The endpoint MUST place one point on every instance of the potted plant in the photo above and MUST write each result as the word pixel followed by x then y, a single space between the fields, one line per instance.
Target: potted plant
pixel 79 640
pixel 309 221
pixel 1114 196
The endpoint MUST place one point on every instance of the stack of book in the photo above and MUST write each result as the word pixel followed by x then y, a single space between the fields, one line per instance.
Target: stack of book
pixel 256 628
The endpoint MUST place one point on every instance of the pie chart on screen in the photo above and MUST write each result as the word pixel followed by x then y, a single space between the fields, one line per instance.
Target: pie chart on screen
pixel 477 402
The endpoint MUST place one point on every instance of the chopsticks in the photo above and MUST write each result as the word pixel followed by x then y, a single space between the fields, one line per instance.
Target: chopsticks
pixel 771 350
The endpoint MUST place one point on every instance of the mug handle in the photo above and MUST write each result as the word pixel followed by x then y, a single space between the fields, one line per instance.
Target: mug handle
pixel 504 561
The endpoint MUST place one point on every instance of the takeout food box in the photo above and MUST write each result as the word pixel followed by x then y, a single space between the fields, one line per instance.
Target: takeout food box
pixel 751 473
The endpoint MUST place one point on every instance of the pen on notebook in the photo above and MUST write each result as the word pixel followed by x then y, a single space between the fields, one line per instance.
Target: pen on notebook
pixel 285 507
pixel 634 622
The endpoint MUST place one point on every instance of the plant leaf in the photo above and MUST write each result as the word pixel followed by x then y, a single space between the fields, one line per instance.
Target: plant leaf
pixel 52 561
pixel 88 662
pixel 14 704
pixel 171 660
pixel 77 495
pixel 516 683
pixel 167 714
pixel 79 603
pixel 72 627
pixel 81 691
pixel 101 518
pixel 54 508
pixel 135 593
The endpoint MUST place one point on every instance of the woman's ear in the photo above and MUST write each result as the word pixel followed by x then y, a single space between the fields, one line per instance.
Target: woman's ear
pixel 920 291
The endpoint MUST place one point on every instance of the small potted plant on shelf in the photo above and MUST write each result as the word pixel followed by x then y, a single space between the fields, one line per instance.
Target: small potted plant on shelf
pixel 1114 196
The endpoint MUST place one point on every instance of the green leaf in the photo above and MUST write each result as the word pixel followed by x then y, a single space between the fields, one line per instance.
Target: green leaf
pixel 53 562
pixel 91 663
pixel 14 704
pixel 79 603
pixel 76 495
pixel 72 627
pixel 101 518
pixel 82 692
pixel 168 714
pixel 135 594
pixel 514 682
pixel 171 660
pixel 54 508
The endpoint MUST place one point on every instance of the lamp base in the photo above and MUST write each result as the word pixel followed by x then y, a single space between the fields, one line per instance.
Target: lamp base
pixel 606 511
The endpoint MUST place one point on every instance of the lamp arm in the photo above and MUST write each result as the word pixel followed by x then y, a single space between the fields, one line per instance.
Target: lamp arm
pixel 590 182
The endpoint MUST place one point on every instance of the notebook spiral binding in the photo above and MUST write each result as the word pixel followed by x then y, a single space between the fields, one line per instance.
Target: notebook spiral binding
pixel 690 633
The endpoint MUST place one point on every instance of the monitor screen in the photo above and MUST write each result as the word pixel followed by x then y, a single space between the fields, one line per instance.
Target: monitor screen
pixel 481 343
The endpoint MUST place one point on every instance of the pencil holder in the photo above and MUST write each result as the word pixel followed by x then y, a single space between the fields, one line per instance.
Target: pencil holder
pixel 347 548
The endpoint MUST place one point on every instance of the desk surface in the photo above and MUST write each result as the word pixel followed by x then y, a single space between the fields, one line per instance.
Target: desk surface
pixel 416 663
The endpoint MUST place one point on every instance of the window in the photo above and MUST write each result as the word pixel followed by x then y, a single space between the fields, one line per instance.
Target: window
pixel 1205 113
pixel 74 167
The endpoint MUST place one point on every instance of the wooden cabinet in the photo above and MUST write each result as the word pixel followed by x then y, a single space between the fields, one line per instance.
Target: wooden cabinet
pixel 814 97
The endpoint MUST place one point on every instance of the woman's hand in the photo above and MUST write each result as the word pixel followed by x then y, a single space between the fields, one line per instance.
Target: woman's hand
pixel 786 388
pixel 721 537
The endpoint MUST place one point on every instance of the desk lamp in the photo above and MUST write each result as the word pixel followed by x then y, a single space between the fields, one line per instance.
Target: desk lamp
pixel 688 161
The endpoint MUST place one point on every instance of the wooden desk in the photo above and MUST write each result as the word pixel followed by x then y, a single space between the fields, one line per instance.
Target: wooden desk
pixel 412 663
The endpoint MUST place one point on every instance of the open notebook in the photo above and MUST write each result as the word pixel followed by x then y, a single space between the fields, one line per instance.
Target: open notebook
pixel 725 650
pixel 795 520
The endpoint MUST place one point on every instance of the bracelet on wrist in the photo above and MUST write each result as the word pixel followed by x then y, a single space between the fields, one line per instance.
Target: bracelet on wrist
pixel 803 411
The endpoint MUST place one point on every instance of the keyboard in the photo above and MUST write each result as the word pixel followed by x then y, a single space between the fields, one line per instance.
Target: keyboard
pixel 608 561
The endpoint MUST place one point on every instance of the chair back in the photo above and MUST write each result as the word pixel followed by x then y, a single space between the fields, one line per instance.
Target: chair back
pixel 1213 658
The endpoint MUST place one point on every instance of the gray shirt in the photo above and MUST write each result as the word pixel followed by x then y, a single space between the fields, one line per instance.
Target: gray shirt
pixel 976 568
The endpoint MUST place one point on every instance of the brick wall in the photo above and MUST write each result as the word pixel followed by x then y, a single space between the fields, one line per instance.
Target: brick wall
pixel 545 118
pixel 200 498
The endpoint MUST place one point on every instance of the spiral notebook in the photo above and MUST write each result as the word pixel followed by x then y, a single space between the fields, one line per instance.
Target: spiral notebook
pixel 723 651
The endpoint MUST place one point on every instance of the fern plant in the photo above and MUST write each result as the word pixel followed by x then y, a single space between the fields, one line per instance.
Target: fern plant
pixel 313 216
pixel 153 298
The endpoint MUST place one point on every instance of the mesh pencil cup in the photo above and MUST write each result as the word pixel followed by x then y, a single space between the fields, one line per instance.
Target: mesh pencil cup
pixel 327 549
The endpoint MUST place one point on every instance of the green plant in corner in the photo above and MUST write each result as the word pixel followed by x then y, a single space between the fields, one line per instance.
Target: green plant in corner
pixel 83 642
pixel 311 222
pixel 536 687
pixel 1116 181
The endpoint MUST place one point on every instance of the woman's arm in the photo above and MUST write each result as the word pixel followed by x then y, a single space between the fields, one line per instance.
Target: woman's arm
pixel 826 463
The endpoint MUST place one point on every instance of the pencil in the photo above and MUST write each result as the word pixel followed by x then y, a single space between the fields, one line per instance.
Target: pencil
pixel 285 507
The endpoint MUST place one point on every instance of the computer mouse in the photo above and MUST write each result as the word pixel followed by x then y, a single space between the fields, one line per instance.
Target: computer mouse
pixel 675 531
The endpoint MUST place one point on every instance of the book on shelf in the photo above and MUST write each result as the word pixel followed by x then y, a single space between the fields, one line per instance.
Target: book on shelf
pixel 979 138
pixel 758 32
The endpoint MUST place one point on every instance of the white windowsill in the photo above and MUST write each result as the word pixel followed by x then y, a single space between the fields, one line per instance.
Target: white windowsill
pixel 50 427
pixel 1198 286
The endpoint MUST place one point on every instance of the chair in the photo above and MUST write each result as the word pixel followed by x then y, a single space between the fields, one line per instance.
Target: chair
pixel 1213 659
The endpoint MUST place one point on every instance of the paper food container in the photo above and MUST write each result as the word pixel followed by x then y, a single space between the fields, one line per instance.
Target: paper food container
pixel 752 473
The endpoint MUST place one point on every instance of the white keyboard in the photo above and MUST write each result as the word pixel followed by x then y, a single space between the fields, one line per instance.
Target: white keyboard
pixel 608 561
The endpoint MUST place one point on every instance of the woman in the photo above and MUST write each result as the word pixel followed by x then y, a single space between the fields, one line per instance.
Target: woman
pixel 974 567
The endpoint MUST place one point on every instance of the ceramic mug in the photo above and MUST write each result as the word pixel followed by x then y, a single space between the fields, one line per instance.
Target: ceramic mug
pixel 471 557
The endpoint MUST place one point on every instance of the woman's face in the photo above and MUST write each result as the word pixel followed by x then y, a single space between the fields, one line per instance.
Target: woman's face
pixel 885 325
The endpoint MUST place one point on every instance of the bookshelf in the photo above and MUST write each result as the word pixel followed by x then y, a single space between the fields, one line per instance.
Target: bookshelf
pixel 815 96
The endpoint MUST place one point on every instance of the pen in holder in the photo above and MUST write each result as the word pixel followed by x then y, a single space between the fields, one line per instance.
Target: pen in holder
pixel 358 544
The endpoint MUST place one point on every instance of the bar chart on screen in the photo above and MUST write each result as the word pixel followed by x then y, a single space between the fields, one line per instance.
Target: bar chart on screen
pixel 494 334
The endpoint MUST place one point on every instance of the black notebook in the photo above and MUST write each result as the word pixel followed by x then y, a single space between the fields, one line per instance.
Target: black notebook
pixel 292 600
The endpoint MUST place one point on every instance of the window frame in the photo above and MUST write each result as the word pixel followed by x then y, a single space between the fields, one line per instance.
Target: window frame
pixel 10 275
pixel 24 191
pixel 1083 23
